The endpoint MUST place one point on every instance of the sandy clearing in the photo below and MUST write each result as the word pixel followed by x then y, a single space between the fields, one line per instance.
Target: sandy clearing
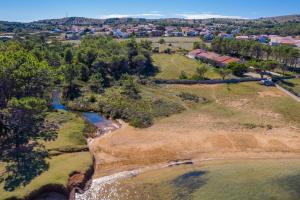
pixel 129 148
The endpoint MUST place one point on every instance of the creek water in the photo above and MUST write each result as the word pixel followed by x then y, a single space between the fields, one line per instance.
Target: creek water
pixel 92 117
pixel 56 103
pixel 96 119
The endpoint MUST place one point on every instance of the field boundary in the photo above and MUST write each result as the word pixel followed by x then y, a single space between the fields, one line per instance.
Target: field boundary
pixel 215 81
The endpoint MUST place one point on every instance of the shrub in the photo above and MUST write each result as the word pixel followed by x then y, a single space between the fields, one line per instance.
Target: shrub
pixel 92 99
pixel 183 76
pixel 162 108
pixel 185 96
pixel 238 69
pixel 120 106
pixel 141 120
pixel 200 73
pixel 161 41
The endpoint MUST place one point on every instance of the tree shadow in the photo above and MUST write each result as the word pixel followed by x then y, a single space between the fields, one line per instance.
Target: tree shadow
pixel 21 169
pixel 292 184
pixel 72 92
pixel 288 83
pixel 150 71
pixel 187 183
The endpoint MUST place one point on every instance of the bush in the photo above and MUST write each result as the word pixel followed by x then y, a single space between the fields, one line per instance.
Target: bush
pixel 169 51
pixel 238 69
pixel 185 96
pixel 117 105
pixel 141 120
pixel 162 108
pixel 183 76
pixel 137 112
pixel 92 99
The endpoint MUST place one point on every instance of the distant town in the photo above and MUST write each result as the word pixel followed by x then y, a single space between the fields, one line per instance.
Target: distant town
pixel 63 29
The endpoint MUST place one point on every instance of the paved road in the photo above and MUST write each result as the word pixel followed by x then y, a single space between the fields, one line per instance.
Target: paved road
pixel 288 93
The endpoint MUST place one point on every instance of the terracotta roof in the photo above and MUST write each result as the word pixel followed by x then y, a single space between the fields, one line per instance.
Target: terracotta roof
pixel 196 52
pixel 231 60
pixel 199 53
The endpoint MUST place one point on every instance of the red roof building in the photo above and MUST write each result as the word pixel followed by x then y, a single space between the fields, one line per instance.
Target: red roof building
pixel 212 57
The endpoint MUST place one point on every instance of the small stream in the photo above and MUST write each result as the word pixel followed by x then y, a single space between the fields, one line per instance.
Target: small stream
pixel 55 103
pixel 94 118
pixel 101 123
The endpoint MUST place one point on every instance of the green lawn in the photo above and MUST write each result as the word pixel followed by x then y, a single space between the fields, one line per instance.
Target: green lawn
pixel 171 65
pixel 70 134
pixel 220 180
pixel 58 173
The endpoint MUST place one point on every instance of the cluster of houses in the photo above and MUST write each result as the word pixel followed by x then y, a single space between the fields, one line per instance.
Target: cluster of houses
pixel 272 40
pixel 207 32
pixel 151 30
pixel 276 40
pixel 140 30
pixel 212 57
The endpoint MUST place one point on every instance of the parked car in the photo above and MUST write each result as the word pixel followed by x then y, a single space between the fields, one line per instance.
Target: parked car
pixel 267 82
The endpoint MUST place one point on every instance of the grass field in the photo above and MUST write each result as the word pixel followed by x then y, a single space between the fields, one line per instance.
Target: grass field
pixel 240 103
pixel 70 134
pixel 219 180
pixel 171 65
pixel 174 43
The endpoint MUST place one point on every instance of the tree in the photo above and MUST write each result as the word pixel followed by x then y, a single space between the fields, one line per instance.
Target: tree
pixel 96 83
pixel 21 74
pixel 161 41
pixel 238 69
pixel 200 72
pixel 262 67
pixel 24 84
pixel 223 72
pixel 168 51
pixel 130 87
pixel 183 75
pixel 70 73
pixel 25 127
pixel 139 63
pixel 68 56
pixel 146 44
pixel 199 45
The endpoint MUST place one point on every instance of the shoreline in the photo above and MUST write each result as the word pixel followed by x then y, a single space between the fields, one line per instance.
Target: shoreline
pixel 99 183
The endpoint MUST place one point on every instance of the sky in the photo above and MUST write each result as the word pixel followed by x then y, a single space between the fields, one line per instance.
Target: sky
pixel 32 10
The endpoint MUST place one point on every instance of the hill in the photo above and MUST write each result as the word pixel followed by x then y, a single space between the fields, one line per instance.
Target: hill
pixel 49 24
pixel 281 19
pixel 70 21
